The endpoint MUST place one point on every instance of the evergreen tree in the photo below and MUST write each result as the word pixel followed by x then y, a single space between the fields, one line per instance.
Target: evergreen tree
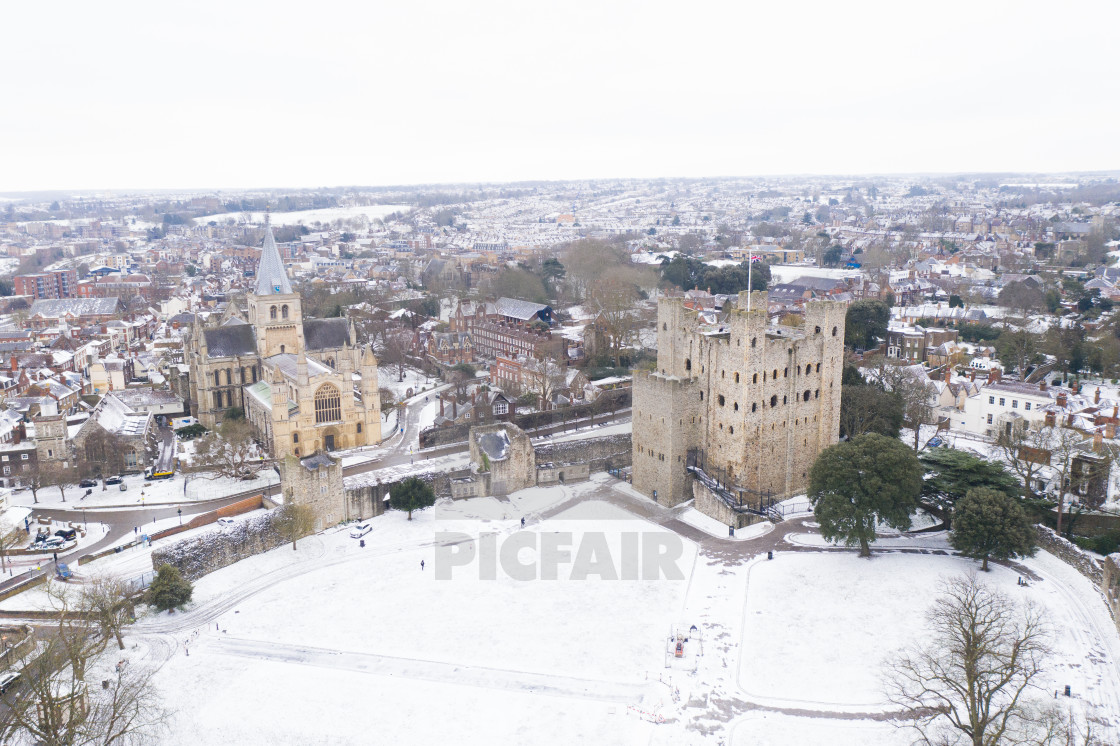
pixel 950 474
pixel 169 589
pixel 855 483
pixel 865 323
pixel 990 523
pixel 411 494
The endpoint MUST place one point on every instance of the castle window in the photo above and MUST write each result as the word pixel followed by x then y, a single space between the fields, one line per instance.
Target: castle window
pixel 217 378
pixel 834 331
pixel 755 378
pixel 736 406
pixel 688 363
pixel 754 341
pixel 785 400
pixel 723 374
pixel 806 394
pixel 701 396
pixel 775 376
pixel 721 400
pixel 218 399
pixel 817 394
pixel 283 312
pixel 774 400
pixel 817 331
pixel 731 429
pixel 281 349
pixel 328 404
pixel 295 437
pixel 736 378
pixel 272 313
pixel 818 367
pixel 664 326
pixel 229 376
pixel 359 428
pixel 785 373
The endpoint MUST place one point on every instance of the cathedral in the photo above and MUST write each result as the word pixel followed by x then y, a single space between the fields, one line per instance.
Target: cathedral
pixel 305 385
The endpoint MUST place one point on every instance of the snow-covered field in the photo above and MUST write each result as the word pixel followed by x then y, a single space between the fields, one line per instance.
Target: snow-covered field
pixel 300 646
pixel 309 217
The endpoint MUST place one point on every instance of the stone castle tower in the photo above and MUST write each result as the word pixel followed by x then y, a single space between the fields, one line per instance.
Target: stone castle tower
pixel 749 402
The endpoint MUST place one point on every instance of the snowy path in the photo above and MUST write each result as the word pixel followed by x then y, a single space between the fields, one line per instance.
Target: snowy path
pixel 428 670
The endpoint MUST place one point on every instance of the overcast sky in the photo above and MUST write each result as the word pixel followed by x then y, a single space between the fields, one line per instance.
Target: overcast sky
pixel 304 94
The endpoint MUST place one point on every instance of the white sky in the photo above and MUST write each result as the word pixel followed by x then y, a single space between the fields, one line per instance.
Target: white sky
pixel 238 94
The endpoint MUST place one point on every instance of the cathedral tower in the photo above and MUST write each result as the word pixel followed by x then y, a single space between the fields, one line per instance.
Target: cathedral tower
pixel 274 310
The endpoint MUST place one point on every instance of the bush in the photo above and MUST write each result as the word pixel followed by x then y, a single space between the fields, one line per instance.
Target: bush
pixel 1105 545
pixel 191 431
pixel 169 589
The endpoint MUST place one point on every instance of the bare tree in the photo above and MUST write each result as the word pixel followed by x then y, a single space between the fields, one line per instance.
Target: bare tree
pixel 230 451
pixel 914 392
pixel 72 695
pixel 1026 451
pixel 971 680
pixel 613 299
pixel 394 353
pixel 543 378
pixel 109 605
pixel 9 540
pixel 54 474
pixel 294 521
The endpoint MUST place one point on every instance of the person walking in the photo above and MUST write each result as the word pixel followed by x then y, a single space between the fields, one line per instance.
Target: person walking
pixel 421 565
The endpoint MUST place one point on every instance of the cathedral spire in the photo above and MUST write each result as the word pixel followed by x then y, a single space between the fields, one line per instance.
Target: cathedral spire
pixel 271 277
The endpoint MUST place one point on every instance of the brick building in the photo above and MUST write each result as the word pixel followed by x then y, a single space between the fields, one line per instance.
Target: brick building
pixel 59 283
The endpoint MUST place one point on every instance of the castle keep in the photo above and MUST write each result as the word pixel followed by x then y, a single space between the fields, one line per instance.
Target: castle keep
pixel 747 405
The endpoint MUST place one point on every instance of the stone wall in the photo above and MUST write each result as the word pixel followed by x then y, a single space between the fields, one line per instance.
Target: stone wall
pixel 601 407
pixel 316 481
pixel 710 505
pixel 217 549
pixel 1071 554
pixel 600 454
pixel 1110 586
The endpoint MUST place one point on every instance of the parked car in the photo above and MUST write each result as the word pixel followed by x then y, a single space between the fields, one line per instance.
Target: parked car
pixel 360 530
pixel 88 483
pixel 124 487
pixel 226 522
pixel 55 542
pixel 69 534
pixel 8 679
pixel 934 442
pixel 114 480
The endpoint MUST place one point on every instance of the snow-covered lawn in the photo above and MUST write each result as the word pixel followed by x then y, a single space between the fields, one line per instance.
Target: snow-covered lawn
pixel 818 626
pixel 353 631
pixel 520 661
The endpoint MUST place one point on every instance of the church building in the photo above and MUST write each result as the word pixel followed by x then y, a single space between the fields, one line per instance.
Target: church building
pixel 305 385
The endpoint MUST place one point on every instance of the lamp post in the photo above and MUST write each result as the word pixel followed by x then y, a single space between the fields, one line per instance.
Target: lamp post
pixel 180 516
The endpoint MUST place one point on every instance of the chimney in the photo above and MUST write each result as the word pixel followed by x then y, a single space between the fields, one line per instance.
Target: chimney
pixel 972 375
pixel 1098 440
pixel 1063 399
pixel 1050 419
pixel 994 375
pixel 441 406
pixel 14 364
pixel 1042 385
pixel 1097 396
pixel 1110 430
pixel 948 374
pixel 1076 387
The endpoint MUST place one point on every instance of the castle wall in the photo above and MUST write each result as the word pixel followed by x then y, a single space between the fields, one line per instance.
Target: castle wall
pixel 666 423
